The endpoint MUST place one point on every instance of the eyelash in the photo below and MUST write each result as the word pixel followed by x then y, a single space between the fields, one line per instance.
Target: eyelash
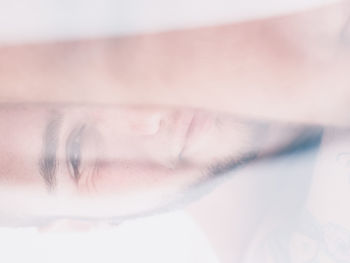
pixel 74 152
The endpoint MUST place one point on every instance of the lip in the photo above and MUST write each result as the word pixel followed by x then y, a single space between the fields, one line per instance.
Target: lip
pixel 199 125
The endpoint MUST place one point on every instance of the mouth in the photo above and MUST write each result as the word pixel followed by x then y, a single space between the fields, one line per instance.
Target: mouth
pixel 198 127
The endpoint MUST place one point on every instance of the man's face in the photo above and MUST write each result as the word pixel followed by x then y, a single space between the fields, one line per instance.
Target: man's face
pixel 99 161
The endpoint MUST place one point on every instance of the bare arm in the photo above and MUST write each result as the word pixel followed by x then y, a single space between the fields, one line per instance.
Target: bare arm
pixel 292 68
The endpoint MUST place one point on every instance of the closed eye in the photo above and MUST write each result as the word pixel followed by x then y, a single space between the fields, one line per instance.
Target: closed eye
pixel 73 152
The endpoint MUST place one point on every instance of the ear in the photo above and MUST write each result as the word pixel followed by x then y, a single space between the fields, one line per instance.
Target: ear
pixel 69 225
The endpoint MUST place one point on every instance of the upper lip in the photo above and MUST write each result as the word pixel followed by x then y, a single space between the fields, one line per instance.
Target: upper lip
pixel 187 135
pixel 199 123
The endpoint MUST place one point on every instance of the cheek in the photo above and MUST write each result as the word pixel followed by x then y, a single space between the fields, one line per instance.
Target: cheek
pixel 20 149
pixel 225 140
pixel 157 137
pixel 130 178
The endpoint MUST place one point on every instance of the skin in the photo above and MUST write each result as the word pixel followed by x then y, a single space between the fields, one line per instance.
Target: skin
pixel 127 160
pixel 268 70
pixel 265 198
pixel 112 163
pixel 248 69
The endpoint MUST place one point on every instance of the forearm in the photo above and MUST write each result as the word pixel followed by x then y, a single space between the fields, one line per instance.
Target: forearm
pixel 290 69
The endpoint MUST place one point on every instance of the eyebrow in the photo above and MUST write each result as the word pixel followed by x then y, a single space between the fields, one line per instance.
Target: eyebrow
pixel 48 162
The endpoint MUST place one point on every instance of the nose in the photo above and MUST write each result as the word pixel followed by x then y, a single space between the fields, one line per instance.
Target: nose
pixel 144 123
